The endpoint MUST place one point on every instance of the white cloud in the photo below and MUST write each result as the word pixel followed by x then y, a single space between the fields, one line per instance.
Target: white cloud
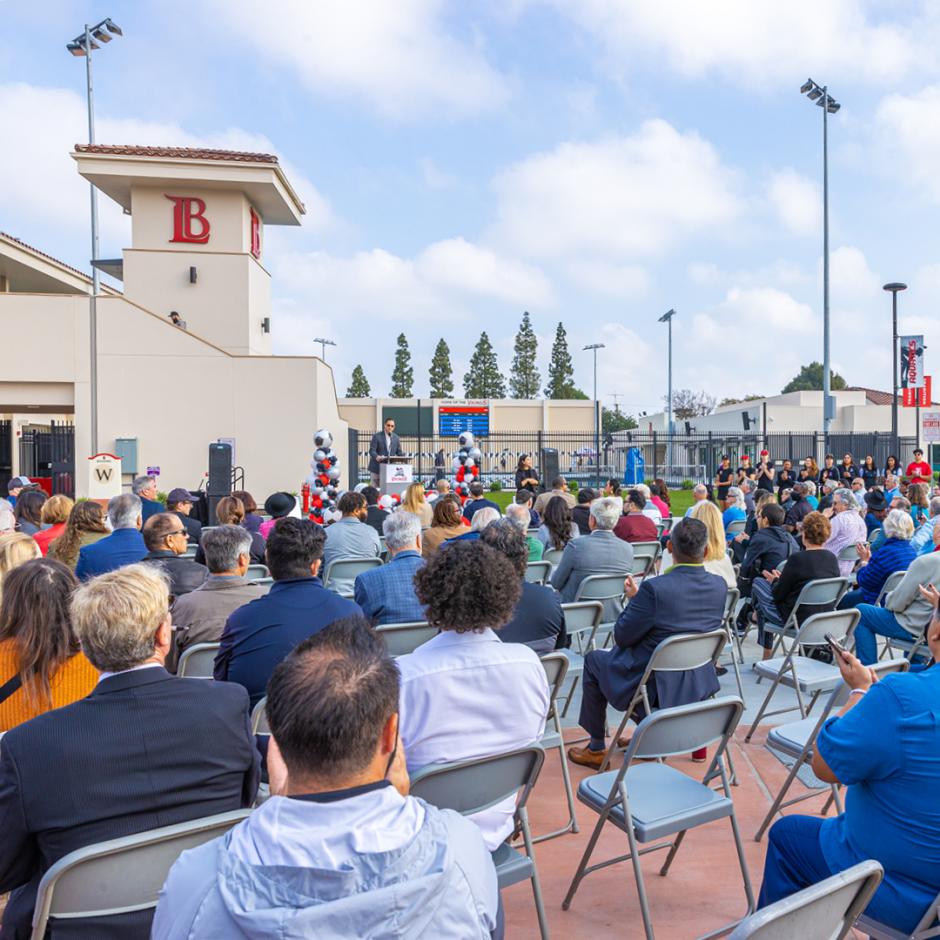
pixel 434 177
pixel 618 198
pixel 797 201
pixel 851 277
pixel 397 57
pixel 620 281
pixel 907 130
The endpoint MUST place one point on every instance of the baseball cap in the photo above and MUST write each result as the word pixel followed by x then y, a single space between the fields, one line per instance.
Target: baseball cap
pixel 765 453
pixel 179 495
pixel 16 482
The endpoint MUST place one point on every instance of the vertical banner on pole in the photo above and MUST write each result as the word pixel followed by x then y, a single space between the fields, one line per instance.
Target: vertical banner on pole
pixel 918 397
pixel 912 361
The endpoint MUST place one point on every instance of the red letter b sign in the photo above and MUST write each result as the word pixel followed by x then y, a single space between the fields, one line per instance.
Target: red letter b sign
pixel 189 220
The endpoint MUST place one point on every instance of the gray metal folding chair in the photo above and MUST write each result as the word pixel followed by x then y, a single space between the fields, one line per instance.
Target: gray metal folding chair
pixel 645 556
pixel 608 589
pixel 552 555
pixel 928 926
pixel 259 718
pixel 582 618
pixel 660 528
pixel 121 875
pixel 190 550
pixel 797 741
pixel 733 646
pixel 257 571
pixel 848 553
pixel 208 528
pixel 678 653
pixel 823 592
pixel 472 786
pixel 197 661
pixel 736 527
pixel 649 801
pixel 348 569
pixel 910 648
pixel 402 638
pixel 825 910
pixel 891 582
pixel 538 571
pixel 804 675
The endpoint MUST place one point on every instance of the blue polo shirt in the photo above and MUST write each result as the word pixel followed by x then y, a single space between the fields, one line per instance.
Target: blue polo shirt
pixel 886 750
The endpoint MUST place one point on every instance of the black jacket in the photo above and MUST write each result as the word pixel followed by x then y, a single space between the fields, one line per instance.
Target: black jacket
pixel 580 515
pixel 375 517
pixel 185 574
pixel 193 526
pixel 802 567
pixel 538 620
pixel 144 750
pixel 766 549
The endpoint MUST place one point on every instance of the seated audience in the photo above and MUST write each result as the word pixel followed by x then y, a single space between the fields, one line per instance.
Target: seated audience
pixel 200 615
pixel 538 620
pixel 124 546
pixel 858 492
pixel 527 498
pixel 15 486
pixel 716 553
pixel 559 488
pixel 699 493
pixel 810 494
pixel 446 523
pixel 895 554
pixel 277 506
pixel 557 528
pixel 601 552
pixel 260 634
pixel 799 508
pixel 828 488
pixel 230 510
pixel 650 508
pixel 28 511
pixel 464 694
pixel 477 501
pixel 885 752
pixel 634 525
pixel 770 546
pixel 54 515
pixel 441 486
pixel 848 527
pixel 687 599
pixel 518 515
pixel 144 750
pixel 581 514
pixel 375 514
pixel 41 665
pixel 922 540
pixel 165 538
pixel 917 494
pixel 733 510
pixel 387 594
pixel 481 519
pixel 85 526
pixel 892 486
pixel 349 537
pixel 180 503
pixel 414 501
pixel 7 518
pixel 774 594
pixel 16 549
pixel 612 488
pixel 145 489
pixel 659 497
pixel 340 849
pixel 253 520
pixel 876 508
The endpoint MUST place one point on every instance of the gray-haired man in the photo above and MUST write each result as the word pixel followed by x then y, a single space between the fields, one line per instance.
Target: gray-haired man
pixel 146 489
pixel 124 546
pixel 387 594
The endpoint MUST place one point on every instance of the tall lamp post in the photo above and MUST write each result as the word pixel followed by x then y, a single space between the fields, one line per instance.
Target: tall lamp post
pixel 83 45
pixel 820 94
pixel 597 418
pixel 670 426
pixel 894 288
pixel 323 344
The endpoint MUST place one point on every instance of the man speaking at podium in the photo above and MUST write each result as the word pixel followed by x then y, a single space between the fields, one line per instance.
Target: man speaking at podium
pixel 384 444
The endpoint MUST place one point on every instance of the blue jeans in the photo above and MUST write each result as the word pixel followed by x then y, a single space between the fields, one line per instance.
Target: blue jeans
pixel 875 622
pixel 852 599
pixel 794 859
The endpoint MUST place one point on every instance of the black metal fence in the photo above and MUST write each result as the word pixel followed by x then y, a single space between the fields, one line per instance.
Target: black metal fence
pixel 50 452
pixel 674 458
pixel 6 454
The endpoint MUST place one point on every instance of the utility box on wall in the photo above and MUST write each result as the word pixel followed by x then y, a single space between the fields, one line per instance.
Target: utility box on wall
pixel 126 449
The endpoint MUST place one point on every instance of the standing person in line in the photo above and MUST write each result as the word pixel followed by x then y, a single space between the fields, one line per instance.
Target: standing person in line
pixel 918 470
pixel 868 471
pixel 809 472
pixel 526 477
pixel 765 472
pixel 892 467
pixel 847 471
pixel 724 478
pixel 829 470
pixel 786 477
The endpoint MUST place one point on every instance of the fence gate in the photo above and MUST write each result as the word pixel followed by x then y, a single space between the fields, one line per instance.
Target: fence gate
pixel 6 455
pixel 48 453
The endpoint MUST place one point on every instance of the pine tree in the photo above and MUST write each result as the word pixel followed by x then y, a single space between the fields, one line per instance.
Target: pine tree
pixel 560 370
pixel 359 385
pixel 403 376
pixel 441 374
pixel 525 378
pixel 484 380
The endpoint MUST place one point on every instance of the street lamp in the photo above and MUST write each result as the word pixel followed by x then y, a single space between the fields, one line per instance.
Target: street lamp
pixel 597 418
pixel 667 318
pixel 323 344
pixel 894 287
pixel 83 45
pixel 820 94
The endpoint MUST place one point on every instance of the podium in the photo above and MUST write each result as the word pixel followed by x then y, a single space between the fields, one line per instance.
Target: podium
pixel 396 474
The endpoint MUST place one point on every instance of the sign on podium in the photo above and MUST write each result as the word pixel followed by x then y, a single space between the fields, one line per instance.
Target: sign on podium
pixel 396 474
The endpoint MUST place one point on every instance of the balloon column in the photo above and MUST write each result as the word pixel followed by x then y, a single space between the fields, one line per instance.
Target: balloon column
pixel 466 464
pixel 322 481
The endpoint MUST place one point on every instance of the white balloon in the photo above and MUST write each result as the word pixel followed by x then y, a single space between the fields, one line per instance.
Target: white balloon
pixel 469 462
pixel 476 453
pixel 320 454
pixel 333 473
pixel 323 438
pixel 465 439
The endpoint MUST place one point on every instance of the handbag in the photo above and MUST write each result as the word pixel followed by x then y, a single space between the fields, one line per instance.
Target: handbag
pixel 9 687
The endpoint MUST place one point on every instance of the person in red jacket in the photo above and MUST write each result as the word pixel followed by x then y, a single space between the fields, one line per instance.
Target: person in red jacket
pixel 634 526
pixel 919 470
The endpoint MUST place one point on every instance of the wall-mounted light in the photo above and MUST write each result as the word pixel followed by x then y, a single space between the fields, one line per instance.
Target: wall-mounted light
pixel 192 274
pixel 266 325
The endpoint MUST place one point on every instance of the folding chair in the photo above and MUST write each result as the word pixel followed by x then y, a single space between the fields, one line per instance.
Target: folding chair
pixel 826 909
pixel 555 665
pixel 402 638
pixel 207 528
pixel 553 555
pixel 660 528
pixel 121 875
pixel 649 552
pixel 800 673
pixel 606 588
pixel 823 592
pixel 196 661
pixel 910 648
pixel 678 653
pixel 797 740
pixel 582 618
pixel 191 550
pixel 891 582
pixel 733 645
pixel 472 786
pixel 538 571
pixel 259 718
pixel 648 801
pixel 348 569
pixel 257 571
pixel 927 926
pixel 736 527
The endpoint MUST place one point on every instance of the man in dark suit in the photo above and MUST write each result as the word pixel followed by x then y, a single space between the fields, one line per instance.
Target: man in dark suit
pixel 125 544
pixel 166 543
pixel 384 444
pixel 180 502
pixel 477 501
pixel 375 514
pixel 260 634
pixel 143 750
pixel 687 599
pixel 146 489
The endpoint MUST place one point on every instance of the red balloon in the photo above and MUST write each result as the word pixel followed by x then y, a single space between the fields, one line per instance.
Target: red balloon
pixel 324 479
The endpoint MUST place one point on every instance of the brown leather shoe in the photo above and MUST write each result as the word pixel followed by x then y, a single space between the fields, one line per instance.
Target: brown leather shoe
pixel 623 742
pixel 586 757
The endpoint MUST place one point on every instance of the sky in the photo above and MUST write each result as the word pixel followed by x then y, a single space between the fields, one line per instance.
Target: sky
pixel 595 162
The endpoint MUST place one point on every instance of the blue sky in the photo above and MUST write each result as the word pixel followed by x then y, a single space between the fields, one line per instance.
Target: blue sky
pixel 593 161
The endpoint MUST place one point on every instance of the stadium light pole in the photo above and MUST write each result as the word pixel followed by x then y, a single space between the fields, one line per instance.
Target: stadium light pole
pixel 323 344
pixel 820 94
pixel 83 45
pixel 597 417
pixel 894 287
pixel 670 426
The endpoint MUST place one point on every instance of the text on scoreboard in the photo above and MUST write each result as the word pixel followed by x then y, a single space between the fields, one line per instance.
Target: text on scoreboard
pixel 454 419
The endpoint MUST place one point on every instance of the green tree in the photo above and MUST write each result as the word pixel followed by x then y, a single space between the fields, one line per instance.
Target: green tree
pixel 484 380
pixel 441 374
pixel 740 401
pixel 403 376
pixel 810 379
pixel 359 386
pixel 525 378
pixel 615 420
pixel 560 370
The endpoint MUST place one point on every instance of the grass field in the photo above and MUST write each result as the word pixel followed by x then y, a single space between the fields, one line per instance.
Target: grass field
pixel 680 500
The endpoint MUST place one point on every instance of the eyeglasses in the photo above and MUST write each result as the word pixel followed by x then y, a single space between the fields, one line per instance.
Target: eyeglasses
pixel 175 532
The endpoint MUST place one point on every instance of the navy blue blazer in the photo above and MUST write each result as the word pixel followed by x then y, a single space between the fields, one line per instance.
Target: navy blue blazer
pixel 687 599
pixel 122 547
pixel 260 634
pixel 387 594
pixel 150 507
pixel 143 750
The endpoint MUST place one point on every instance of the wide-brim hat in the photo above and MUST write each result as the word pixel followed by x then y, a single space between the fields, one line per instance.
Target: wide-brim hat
pixel 876 500
pixel 279 504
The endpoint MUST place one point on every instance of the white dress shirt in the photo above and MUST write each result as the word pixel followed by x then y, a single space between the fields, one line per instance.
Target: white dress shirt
pixel 469 695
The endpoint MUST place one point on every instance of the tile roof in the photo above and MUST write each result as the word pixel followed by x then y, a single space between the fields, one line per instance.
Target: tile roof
pixel 42 254
pixel 181 153
pixel 873 396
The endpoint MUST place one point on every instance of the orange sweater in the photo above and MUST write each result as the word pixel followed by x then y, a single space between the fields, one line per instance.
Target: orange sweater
pixel 74 680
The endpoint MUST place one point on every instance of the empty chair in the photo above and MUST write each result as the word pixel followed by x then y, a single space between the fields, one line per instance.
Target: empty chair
pixel 471 786
pixel 197 661
pixel 538 571
pixel 402 638
pixel 255 572
pixel 347 570
pixel 827 909
pixel 650 801
pixel 120 875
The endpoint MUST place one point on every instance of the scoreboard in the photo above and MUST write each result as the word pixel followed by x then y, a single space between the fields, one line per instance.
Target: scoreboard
pixel 456 417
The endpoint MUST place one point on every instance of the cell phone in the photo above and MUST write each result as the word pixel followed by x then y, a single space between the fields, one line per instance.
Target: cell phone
pixel 836 645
